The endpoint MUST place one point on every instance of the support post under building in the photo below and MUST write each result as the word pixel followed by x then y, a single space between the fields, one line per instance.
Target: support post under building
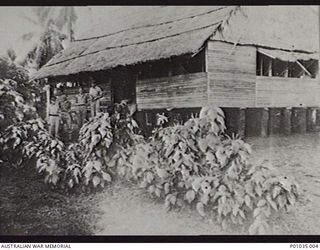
pixel 242 122
pixel 264 122
pixel 286 120
pixel 311 119
pixel 299 120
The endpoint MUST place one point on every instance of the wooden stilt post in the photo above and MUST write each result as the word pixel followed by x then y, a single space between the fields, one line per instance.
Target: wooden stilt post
pixel 303 120
pixel 242 122
pixel 273 120
pixel 299 120
pixel 47 88
pixel 311 119
pixel 264 122
pixel 286 120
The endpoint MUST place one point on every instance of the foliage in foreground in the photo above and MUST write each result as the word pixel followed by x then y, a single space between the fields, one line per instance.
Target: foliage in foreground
pixel 13 107
pixel 197 164
pixel 194 163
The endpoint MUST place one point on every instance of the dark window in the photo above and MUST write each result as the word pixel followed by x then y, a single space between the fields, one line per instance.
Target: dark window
pixel 311 66
pixel 279 68
pixel 264 65
pixel 154 70
pixel 188 64
pixel 267 66
pixel 295 71
pixel 172 67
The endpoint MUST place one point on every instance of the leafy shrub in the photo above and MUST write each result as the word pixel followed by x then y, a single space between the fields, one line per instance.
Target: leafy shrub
pixel 197 164
pixel 31 141
pixel 100 138
pixel 13 107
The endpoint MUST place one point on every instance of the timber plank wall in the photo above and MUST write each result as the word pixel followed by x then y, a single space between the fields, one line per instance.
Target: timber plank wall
pixel 287 92
pixel 231 74
pixel 183 91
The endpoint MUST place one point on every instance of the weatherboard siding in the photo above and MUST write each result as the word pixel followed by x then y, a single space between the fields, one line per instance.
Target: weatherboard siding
pixel 183 91
pixel 231 74
pixel 287 92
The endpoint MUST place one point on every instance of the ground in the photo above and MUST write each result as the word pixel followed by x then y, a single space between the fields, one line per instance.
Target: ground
pixel 28 206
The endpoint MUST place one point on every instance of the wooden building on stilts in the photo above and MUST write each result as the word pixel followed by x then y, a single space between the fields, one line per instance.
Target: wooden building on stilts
pixel 258 63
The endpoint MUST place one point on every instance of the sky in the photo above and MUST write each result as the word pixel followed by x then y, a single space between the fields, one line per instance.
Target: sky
pixel 13 25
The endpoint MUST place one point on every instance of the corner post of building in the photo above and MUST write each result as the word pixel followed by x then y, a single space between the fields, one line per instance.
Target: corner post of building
pixel 286 120
pixel 299 120
pixel 311 119
pixel 272 120
pixel 264 122
pixel 303 120
pixel 48 97
pixel 242 121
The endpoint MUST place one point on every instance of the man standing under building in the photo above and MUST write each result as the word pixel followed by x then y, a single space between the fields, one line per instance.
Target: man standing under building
pixel 95 93
pixel 65 106
pixel 81 99
pixel 54 118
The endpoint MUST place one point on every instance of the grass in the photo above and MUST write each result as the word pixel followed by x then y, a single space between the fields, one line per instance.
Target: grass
pixel 30 207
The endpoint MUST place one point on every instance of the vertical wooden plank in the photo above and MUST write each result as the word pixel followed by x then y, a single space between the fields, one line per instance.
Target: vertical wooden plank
pixel 206 62
pixel 299 120
pixel 274 120
pixel 286 73
pixel 261 66
pixel 47 88
pixel 311 119
pixel 286 120
pixel 264 122
pixel 242 122
pixel 270 67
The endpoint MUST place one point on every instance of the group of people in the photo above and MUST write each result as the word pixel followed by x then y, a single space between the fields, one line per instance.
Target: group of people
pixel 60 108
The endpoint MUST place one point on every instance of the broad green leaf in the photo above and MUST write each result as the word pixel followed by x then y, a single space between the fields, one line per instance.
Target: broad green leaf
pixel 247 200
pixel 151 189
pixel 276 191
pixel 196 184
pixel 258 189
pixel 149 177
pixel 106 177
pixel 205 198
pixel 200 209
pixel 95 180
pixel 157 192
pixel 256 212
pixel 202 144
pixel 166 188
pixel 261 202
pixel 70 183
pixel 190 195
pixel 242 214
pixel 271 202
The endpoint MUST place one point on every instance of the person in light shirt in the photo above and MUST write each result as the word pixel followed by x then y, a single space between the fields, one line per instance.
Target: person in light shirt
pixel 54 117
pixel 81 102
pixel 95 93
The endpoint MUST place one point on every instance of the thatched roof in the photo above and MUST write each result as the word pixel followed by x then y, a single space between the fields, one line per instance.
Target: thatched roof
pixel 153 33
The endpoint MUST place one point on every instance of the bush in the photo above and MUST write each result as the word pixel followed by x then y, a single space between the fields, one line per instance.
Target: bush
pixel 83 162
pixel 13 107
pixel 31 141
pixel 197 164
